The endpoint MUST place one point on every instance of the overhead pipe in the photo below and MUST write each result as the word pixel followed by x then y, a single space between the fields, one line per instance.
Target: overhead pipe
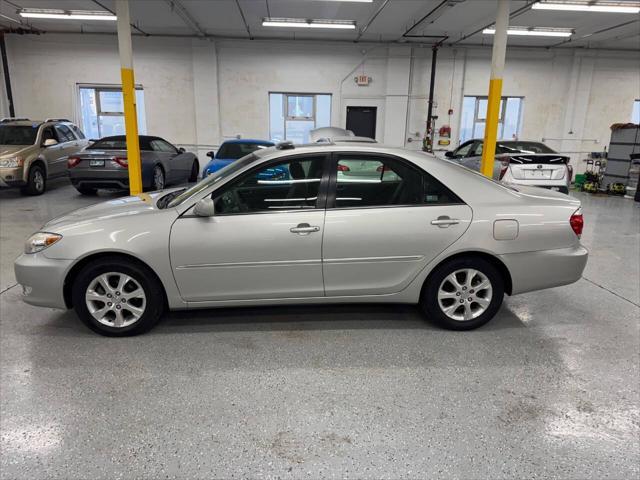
pixel 7 78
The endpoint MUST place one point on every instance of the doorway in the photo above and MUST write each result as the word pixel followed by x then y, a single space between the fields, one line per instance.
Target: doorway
pixel 362 121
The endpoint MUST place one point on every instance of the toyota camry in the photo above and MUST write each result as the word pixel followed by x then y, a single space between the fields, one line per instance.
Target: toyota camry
pixel 414 230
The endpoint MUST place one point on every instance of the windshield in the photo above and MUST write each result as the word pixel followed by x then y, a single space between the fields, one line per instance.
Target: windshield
pixel 215 177
pixel 233 151
pixel 18 134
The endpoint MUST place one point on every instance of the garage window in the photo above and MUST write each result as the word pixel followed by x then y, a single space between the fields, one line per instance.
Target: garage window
pixel 474 117
pixel 635 114
pixel 102 111
pixel 293 115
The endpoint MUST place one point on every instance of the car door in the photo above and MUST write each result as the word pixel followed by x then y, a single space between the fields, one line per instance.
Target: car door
pixel 68 145
pixel 265 240
pixel 164 156
pixel 54 155
pixel 380 232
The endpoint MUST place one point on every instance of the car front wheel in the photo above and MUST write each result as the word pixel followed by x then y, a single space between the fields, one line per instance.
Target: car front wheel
pixel 117 298
pixel 36 181
pixel 463 294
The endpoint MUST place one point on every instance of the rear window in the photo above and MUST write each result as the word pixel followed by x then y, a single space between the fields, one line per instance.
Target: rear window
pixel 528 147
pixel 234 151
pixel 18 134
pixel 117 143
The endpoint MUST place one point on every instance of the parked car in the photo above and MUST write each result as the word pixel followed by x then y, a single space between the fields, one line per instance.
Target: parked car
pixel 519 162
pixel 232 150
pixel 104 164
pixel 440 236
pixel 34 151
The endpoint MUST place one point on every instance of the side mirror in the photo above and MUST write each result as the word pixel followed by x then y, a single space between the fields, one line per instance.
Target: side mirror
pixel 449 154
pixel 205 208
pixel 50 142
pixel 211 154
pixel 181 150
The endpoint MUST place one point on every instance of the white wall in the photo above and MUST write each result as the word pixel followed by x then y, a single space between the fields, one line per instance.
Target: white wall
pixel 199 92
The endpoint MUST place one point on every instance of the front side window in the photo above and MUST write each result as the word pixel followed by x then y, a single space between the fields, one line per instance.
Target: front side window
pixel 291 184
pixel 370 181
pixel 464 149
pixel 64 134
pixel 162 146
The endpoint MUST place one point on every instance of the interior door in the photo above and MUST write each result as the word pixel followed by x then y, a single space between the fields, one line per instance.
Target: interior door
pixel 380 232
pixel 362 121
pixel 265 240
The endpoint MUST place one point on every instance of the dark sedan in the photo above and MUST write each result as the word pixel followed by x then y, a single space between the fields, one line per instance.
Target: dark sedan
pixel 104 164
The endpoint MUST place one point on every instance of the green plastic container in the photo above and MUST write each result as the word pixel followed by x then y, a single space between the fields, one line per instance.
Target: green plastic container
pixel 579 180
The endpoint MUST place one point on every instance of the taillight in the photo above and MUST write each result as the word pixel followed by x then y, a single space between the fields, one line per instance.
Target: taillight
pixel 503 169
pixel 122 161
pixel 577 222
pixel 73 161
pixel 343 168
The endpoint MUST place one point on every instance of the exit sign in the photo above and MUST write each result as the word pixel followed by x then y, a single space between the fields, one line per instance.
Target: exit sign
pixel 362 80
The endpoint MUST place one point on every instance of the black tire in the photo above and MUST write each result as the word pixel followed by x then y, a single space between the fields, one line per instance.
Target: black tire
pixel 158 180
pixel 151 286
pixel 36 181
pixel 195 169
pixel 431 305
pixel 87 190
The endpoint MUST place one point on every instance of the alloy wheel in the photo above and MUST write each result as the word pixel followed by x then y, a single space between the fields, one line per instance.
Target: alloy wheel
pixel 158 179
pixel 115 299
pixel 465 294
pixel 38 181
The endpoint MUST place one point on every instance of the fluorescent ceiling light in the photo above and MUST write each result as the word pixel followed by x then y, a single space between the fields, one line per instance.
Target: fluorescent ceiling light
pixel 308 23
pixel 584 7
pixel 533 31
pixel 66 14
pixel 353 1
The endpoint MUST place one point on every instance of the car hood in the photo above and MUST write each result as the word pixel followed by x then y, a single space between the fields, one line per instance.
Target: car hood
pixel 14 149
pixel 142 204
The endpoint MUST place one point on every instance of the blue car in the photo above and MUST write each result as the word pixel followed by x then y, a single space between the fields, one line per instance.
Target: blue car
pixel 232 150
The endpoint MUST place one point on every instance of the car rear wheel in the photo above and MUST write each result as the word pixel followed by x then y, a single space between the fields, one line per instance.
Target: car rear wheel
pixel 36 181
pixel 195 168
pixel 117 298
pixel 463 294
pixel 158 178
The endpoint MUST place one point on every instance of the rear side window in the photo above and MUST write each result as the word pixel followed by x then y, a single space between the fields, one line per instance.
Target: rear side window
pixel 64 134
pixel 377 181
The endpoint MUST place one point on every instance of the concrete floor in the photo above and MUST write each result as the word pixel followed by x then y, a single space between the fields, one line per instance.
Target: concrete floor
pixel 548 389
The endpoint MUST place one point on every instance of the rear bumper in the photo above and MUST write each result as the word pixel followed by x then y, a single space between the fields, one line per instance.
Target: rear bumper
pixel 102 179
pixel 42 279
pixel 545 269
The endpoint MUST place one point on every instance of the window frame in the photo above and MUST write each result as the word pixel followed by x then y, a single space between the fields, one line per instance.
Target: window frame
pixel 321 201
pixel 333 182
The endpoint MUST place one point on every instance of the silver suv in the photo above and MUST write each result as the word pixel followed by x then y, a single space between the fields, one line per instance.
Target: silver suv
pixel 33 151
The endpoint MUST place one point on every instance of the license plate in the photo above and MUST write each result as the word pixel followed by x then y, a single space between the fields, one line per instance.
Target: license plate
pixel 537 173
pixel 96 163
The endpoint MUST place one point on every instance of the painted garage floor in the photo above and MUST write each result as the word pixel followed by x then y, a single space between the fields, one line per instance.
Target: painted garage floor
pixel 548 389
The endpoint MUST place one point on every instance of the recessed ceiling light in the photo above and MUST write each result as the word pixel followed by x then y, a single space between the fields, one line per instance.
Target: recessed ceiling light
pixel 308 23
pixel 533 31
pixel 55 14
pixel 607 7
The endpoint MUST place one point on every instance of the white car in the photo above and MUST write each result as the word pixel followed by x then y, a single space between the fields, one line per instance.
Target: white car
pixel 432 233
pixel 519 162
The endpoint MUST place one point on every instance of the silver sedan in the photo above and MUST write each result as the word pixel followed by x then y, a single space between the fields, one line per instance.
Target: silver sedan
pixel 414 230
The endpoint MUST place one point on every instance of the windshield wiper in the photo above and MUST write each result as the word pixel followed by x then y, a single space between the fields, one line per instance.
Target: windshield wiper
pixel 164 201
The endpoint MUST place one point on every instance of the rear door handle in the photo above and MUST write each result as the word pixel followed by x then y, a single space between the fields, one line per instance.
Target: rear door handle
pixel 304 229
pixel 444 221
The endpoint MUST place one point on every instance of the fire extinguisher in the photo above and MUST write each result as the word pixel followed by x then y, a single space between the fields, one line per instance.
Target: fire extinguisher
pixel 445 131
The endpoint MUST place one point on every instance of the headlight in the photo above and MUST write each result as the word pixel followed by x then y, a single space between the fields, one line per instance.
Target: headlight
pixel 12 162
pixel 39 241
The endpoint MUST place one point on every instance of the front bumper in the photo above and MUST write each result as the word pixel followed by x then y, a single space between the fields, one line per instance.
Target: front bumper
pixel 11 177
pixel 546 268
pixel 42 279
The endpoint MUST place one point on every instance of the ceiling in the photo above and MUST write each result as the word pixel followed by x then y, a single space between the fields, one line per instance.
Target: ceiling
pixel 424 21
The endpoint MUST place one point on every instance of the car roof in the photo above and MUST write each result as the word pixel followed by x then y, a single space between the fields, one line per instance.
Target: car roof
pixel 119 138
pixel 249 140
pixel 24 123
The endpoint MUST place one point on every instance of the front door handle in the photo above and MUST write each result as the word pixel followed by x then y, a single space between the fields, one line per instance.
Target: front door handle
pixel 444 221
pixel 304 229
